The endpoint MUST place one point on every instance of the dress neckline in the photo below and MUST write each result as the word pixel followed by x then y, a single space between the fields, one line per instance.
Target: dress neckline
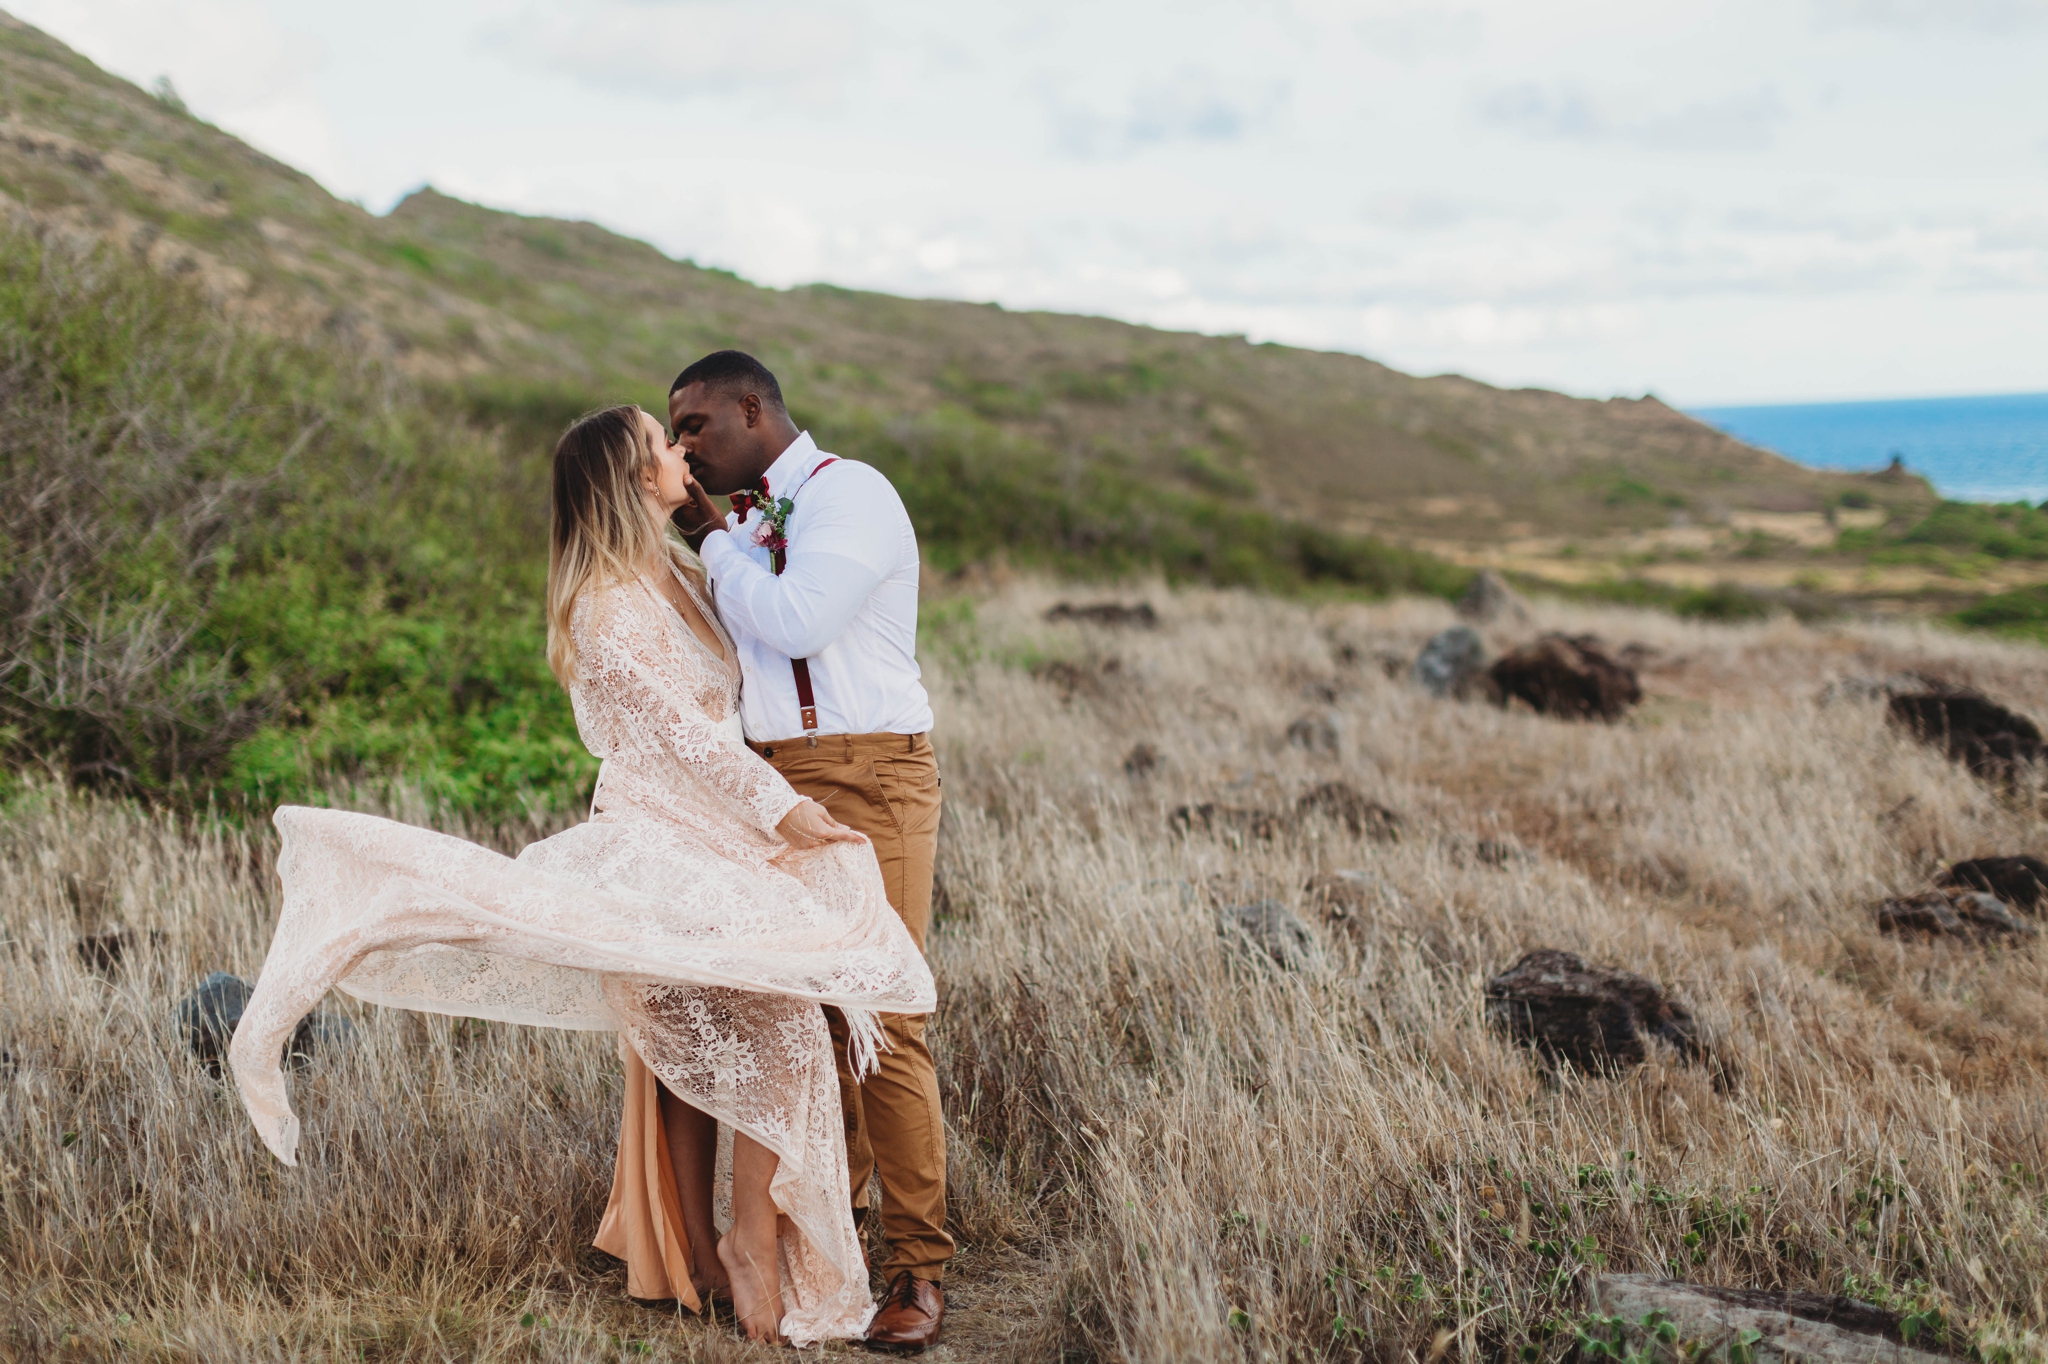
pixel 724 655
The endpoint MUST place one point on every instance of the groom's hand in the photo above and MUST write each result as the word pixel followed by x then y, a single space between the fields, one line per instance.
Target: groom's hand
pixel 699 516
pixel 810 825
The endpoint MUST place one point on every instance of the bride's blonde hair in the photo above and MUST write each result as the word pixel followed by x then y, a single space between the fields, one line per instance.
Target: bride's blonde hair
pixel 601 529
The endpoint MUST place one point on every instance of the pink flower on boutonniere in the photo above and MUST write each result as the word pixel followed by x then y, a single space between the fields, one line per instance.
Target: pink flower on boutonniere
pixel 770 531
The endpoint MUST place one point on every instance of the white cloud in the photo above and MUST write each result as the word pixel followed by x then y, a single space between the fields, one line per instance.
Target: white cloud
pixel 1706 197
pixel 682 49
pixel 1742 121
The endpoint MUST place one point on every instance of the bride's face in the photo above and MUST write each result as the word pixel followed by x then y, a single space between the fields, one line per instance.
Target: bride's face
pixel 667 480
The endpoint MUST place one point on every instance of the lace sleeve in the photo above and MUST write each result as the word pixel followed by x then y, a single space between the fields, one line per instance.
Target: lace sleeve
pixel 632 670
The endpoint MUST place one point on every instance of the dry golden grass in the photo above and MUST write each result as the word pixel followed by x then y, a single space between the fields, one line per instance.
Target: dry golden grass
pixel 1163 1150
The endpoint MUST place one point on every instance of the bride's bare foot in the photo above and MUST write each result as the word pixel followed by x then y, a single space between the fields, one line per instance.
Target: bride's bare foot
pixel 756 1283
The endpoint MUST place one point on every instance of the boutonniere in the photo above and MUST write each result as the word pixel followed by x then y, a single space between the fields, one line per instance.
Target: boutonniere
pixel 770 531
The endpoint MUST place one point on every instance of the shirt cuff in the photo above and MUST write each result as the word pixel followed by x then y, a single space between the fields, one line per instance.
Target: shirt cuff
pixel 716 547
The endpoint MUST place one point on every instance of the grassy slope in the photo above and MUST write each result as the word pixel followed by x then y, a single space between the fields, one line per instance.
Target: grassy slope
pixel 533 317
pixel 1159 1150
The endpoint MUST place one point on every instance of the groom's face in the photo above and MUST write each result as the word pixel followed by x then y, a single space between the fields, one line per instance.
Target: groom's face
pixel 720 435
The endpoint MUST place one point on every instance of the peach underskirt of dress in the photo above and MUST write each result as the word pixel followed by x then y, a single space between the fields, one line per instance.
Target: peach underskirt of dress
pixel 643 1223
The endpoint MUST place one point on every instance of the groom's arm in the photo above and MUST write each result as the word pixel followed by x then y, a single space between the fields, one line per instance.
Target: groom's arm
pixel 846 542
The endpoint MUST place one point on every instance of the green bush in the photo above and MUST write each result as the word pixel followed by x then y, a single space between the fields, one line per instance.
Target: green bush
pixel 237 568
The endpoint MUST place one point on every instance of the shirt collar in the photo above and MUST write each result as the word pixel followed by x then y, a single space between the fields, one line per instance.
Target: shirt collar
pixel 794 466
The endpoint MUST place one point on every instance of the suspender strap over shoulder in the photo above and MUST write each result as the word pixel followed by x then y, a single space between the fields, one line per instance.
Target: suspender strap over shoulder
pixel 806 700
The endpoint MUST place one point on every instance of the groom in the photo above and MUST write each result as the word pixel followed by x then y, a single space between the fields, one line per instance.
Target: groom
pixel 827 636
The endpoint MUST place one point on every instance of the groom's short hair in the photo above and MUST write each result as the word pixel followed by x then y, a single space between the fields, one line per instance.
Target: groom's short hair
pixel 732 372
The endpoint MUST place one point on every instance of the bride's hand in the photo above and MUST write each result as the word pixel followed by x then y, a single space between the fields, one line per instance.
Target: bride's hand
pixel 810 825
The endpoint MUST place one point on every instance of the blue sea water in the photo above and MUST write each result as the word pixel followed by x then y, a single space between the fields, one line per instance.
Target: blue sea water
pixel 1972 449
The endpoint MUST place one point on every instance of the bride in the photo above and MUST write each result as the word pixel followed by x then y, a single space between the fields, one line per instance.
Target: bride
pixel 705 912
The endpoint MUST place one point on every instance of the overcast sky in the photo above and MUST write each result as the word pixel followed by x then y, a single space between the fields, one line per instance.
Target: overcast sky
pixel 1714 200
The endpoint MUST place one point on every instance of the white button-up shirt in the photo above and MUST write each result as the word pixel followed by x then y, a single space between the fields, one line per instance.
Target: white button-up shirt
pixel 846 600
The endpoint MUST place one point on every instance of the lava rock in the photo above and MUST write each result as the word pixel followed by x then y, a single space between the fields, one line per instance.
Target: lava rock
pixel 104 952
pixel 1452 664
pixel 1318 733
pixel 1345 803
pixel 1488 600
pixel 210 1014
pixel 1600 1020
pixel 1571 677
pixel 1115 615
pixel 1273 929
pixel 2021 881
pixel 1951 914
pixel 1971 728
pixel 1087 678
pixel 1142 761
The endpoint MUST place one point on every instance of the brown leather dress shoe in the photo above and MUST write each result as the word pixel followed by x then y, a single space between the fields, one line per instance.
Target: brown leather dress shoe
pixel 909 1317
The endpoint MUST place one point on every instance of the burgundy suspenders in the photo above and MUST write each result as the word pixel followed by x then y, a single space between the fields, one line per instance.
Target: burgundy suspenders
pixel 807 703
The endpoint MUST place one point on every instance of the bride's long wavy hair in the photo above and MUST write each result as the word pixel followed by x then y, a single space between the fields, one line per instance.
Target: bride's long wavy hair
pixel 601 528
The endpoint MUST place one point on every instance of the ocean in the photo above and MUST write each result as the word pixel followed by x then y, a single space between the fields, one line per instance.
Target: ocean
pixel 1972 449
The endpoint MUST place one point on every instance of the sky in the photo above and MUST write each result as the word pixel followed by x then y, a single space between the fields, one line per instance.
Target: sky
pixel 1718 201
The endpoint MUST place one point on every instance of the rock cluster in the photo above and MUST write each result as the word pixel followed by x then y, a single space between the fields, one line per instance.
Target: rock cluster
pixel 1572 677
pixel 209 1015
pixel 2019 881
pixel 1977 900
pixel 1599 1019
pixel 1971 728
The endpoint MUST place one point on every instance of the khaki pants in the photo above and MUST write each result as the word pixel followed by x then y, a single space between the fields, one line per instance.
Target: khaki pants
pixel 887 787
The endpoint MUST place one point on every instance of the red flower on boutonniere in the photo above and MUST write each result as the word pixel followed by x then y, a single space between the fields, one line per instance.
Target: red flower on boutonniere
pixel 770 530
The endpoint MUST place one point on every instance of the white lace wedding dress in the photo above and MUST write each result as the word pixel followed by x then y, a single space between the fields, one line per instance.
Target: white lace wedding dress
pixel 676 916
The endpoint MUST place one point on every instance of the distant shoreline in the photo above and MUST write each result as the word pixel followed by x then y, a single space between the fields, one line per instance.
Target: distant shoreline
pixel 1986 448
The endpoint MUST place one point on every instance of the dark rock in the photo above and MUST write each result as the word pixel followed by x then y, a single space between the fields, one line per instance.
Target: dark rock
pixel 1210 817
pixel 1271 928
pixel 1951 914
pixel 1570 677
pixel 1345 803
pixel 2019 881
pixel 1787 1326
pixel 210 1014
pixel 1599 1019
pixel 1088 678
pixel 1318 733
pixel 1488 600
pixel 1142 761
pixel 1971 728
pixel 104 952
pixel 1452 663
pixel 319 1033
pixel 1116 615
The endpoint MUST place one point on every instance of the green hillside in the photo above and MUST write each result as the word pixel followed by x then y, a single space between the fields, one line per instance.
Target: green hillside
pixel 273 508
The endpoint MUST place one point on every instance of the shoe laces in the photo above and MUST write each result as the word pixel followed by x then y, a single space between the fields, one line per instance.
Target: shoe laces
pixel 903 1292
